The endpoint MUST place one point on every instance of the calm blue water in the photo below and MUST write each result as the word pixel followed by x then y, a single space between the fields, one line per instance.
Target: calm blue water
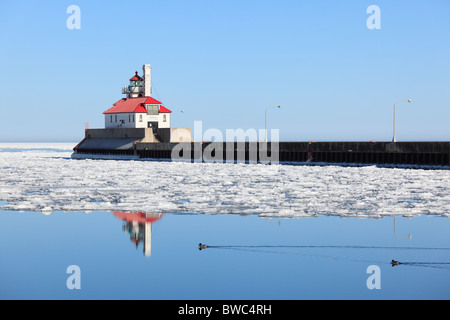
pixel 255 258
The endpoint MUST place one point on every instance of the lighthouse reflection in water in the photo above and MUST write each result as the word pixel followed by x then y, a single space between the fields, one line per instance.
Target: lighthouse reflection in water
pixel 139 226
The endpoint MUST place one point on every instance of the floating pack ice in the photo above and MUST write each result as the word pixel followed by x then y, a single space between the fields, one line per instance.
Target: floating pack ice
pixel 47 180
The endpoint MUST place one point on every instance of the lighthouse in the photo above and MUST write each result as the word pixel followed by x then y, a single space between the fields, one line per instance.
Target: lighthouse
pixel 135 122
pixel 138 109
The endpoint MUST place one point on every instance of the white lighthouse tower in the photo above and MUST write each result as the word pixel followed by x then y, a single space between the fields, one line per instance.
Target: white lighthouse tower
pixel 140 87
pixel 136 87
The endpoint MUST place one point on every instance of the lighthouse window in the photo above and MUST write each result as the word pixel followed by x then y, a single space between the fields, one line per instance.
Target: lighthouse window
pixel 164 118
pixel 152 109
pixel 111 119
pixel 129 118
pixel 115 118
pixel 133 118
pixel 140 118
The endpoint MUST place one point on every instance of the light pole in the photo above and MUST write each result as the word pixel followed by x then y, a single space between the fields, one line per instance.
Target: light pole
pixel 409 100
pixel 266 120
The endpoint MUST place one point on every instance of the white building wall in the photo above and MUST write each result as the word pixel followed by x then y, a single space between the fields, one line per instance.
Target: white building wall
pixel 125 120
pixel 164 120
pixel 141 120
pixel 136 120
pixel 107 121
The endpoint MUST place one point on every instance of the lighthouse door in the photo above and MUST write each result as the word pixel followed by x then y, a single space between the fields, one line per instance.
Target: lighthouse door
pixel 153 124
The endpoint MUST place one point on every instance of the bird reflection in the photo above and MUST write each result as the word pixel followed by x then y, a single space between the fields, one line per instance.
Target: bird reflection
pixel 139 226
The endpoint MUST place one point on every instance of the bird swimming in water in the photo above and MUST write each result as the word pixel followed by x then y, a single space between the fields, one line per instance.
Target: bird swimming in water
pixel 395 263
pixel 202 246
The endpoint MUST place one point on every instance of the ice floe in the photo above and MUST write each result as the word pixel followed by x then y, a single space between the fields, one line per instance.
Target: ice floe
pixel 43 178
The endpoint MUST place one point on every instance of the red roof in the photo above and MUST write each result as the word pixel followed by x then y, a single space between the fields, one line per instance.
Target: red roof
pixel 134 105
pixel 164 110
pixel 136 78
pixel 127 105
pixel 152 101
pixel 140 109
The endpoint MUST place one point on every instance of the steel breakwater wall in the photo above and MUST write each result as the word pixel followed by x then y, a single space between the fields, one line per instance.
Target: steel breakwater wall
pixel 408 153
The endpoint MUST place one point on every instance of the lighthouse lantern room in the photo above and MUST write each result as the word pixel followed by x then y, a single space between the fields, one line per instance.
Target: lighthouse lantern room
pixel 136 88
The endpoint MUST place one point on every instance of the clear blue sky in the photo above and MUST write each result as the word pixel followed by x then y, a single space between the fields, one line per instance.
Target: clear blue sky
pixel 224 62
